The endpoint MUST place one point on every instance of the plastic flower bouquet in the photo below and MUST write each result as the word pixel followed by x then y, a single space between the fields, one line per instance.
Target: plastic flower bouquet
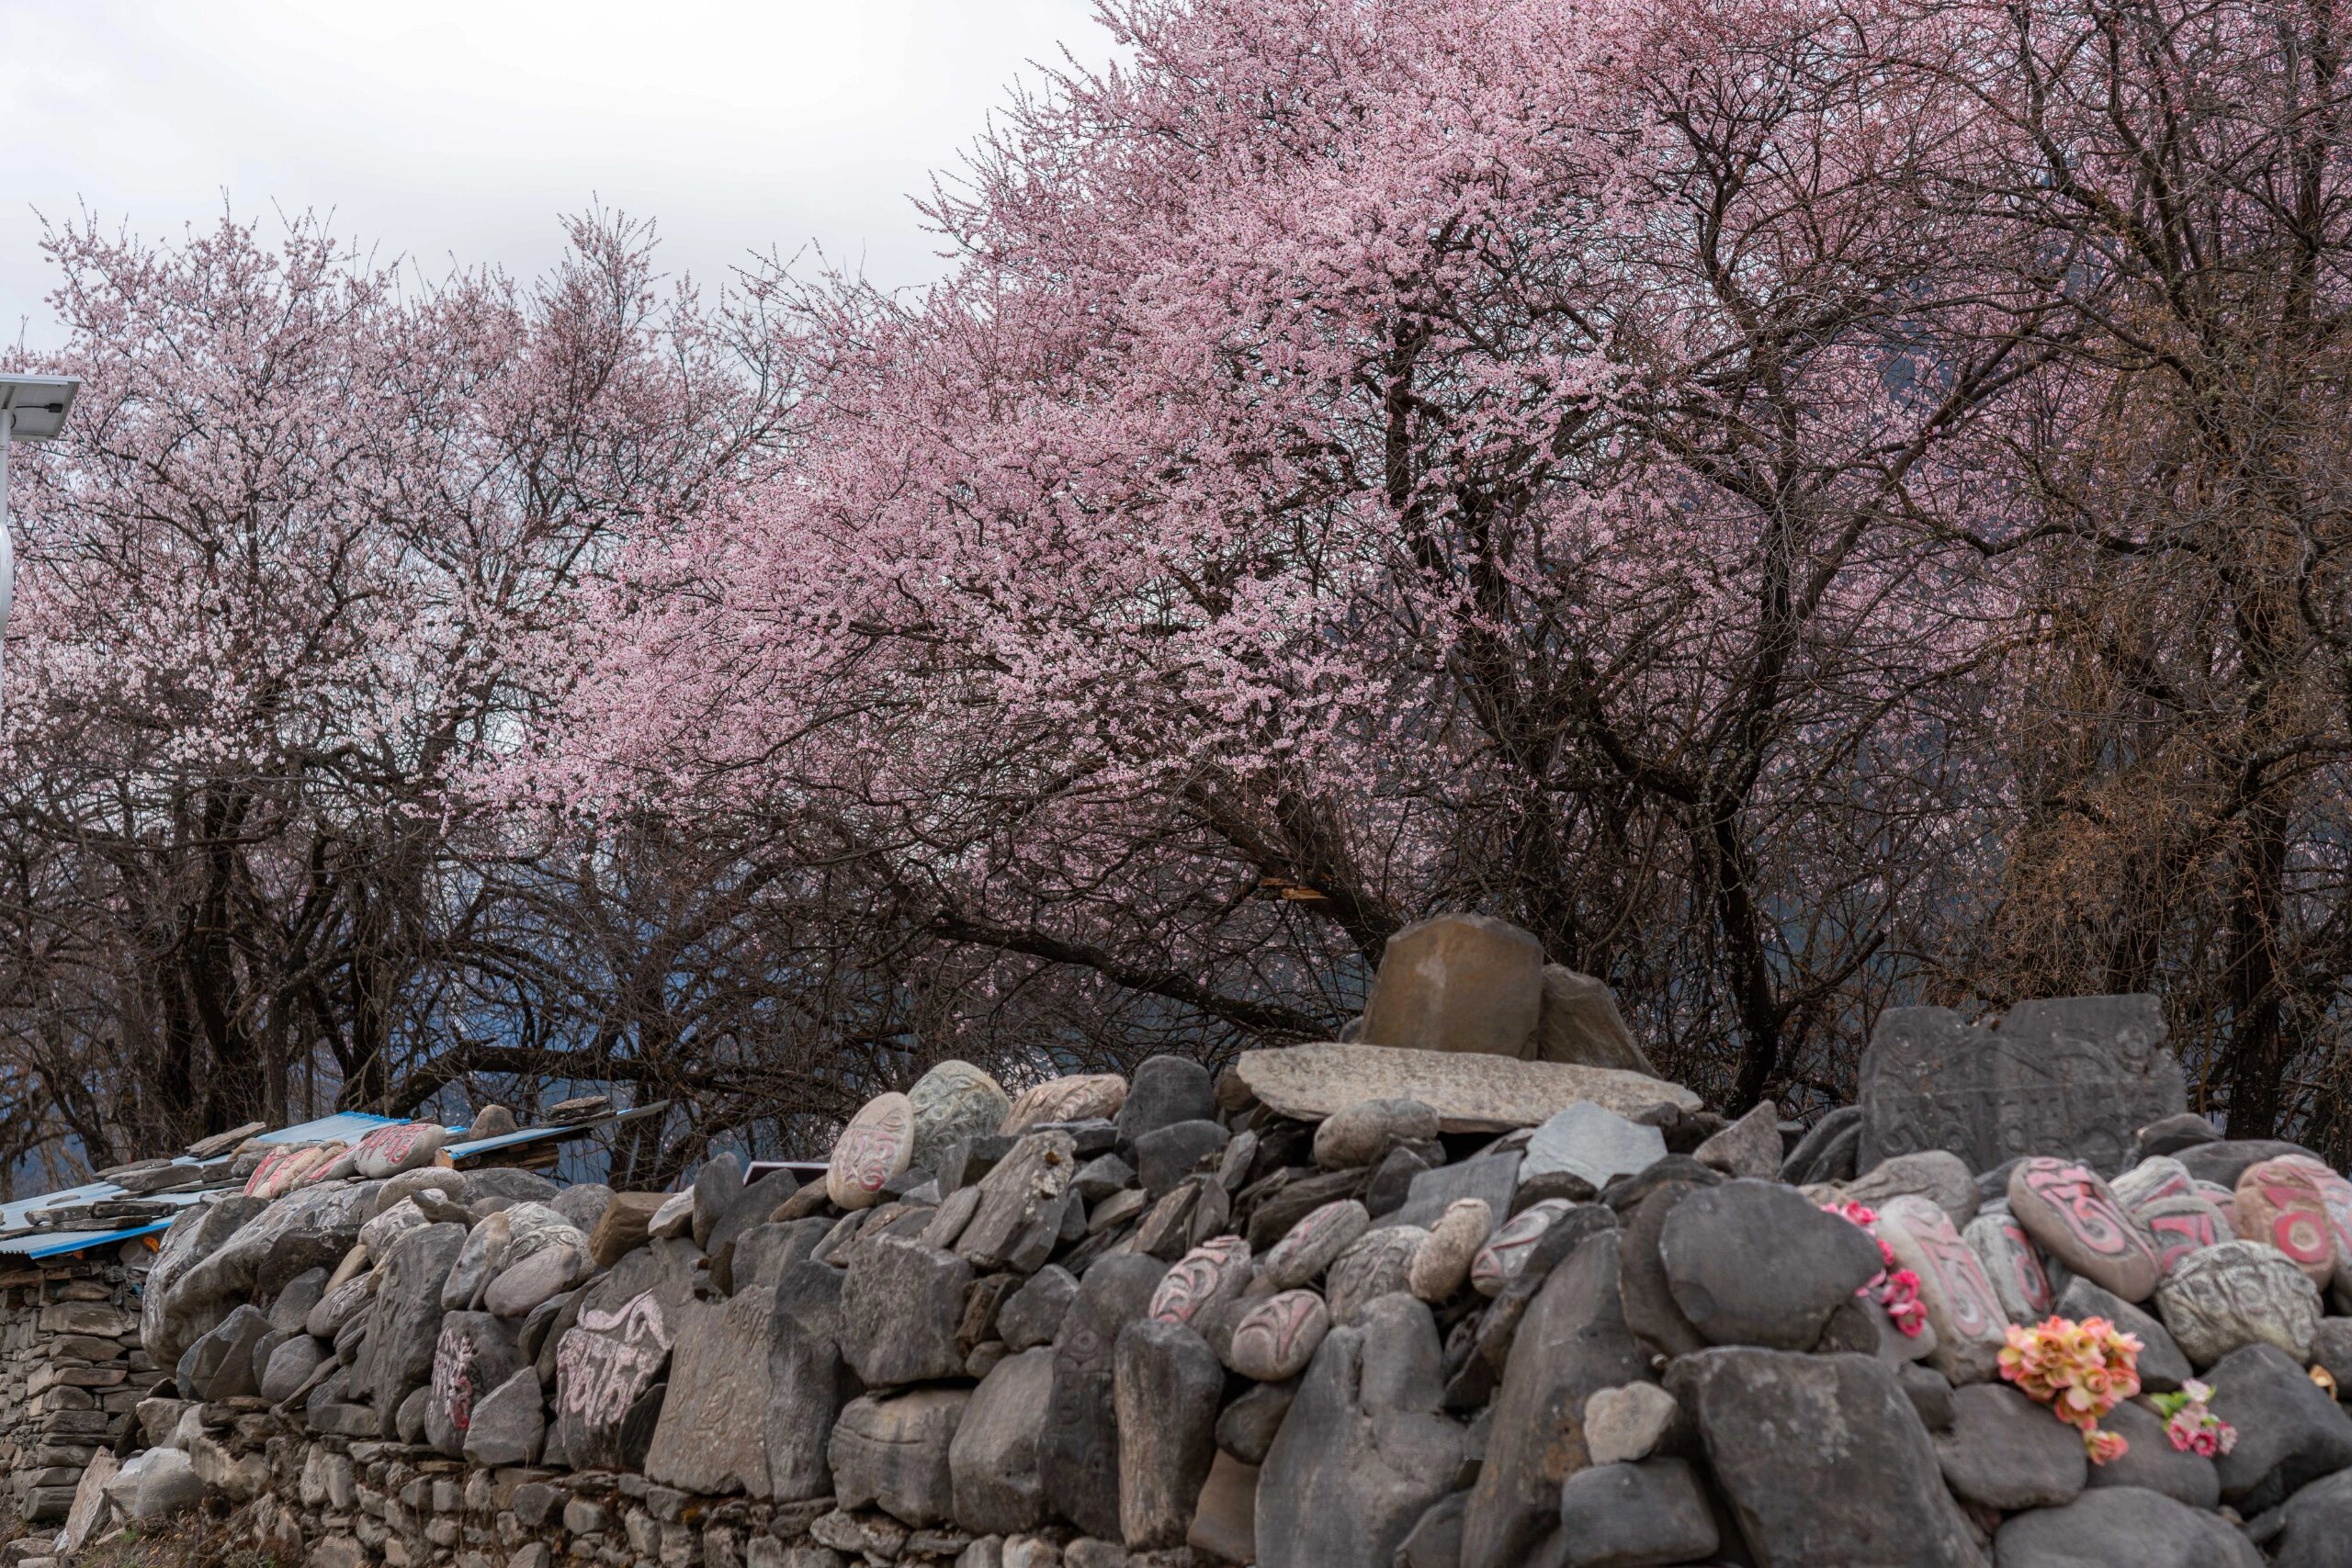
pixel 2193 1428
pixel 2081 1371
pixel 1896 1290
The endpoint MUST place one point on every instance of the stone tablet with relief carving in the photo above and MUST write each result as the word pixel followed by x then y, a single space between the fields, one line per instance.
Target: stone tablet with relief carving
pixel 2073 1078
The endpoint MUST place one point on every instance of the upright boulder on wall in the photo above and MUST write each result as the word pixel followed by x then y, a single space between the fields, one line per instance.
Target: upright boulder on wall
pixel 808 1380
pixel 1078 1454
pixel 2072 1078
pixel 1364 1451
pixel 992 1460
pixel 711 1436
pixel 1572 1344
pixel 404 1324
pixel 474 1354
pixel 1458 983
pixel 611 1358
pixel 1579 1023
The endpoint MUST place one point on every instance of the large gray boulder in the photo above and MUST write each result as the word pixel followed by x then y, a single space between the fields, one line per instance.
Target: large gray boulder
pixel 1166 1381
pixel 2290 1431
pixel 474 1354
pixel 1163 1091
pixel 992 1462
pixel 901 1304
pixel 200 1230
pixel 404 1324
pixel 1756 1263
pixel 608 1363
pixel 2152 1464
pixel 1079 1452
pixel 891 1451
pixel 1823 1460
pixel 509 1422
pixel 808 1380
pixel 220 1364
pixel 1624 1516
pixel 1019 1216
pixel 2124 1526
pixel 1571 1344
pixel 1364 1451
pixel 712 1435
pixel 2316 1526
pixel 2003 1450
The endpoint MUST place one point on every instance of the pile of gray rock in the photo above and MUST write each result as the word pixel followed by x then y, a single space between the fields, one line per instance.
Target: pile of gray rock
pixel 1473 1290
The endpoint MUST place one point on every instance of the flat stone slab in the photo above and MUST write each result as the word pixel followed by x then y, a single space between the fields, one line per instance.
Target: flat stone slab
pixel 1470 1091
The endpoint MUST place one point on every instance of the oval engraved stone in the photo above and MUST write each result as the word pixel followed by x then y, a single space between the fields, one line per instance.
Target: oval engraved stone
pixel 1082 1098
pixel 955 1099
pixel 2073 1215
pixel 2279 1202
pixel 1277 1337
pixel 1309 1247
pixel 877 1144
pixel 2012 1266
pixel 2335 1192
pixel 1372 1266
pixel 1505 1254
pixel 1212 1272
pixel 1963 1307
pixel 2181 1225
pixel 2239 1293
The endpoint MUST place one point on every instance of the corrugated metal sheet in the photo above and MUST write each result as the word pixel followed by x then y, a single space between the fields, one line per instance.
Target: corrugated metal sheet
pixel 348 1126
pixel 537 1134
pixel 51 1243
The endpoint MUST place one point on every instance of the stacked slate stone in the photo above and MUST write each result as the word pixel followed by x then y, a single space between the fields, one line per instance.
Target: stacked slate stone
pixel 69 1358
pixel 1473 1290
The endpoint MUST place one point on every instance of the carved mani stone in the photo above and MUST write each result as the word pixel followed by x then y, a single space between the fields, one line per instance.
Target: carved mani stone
pixel 2239 1293
pixel 1963 1307
pixel 2335 1195
pixel 1505 1252
pixel 1371 1268
pixel 1309 1247
pixel 1277 1337
pixel 1212 1274
pixel 2020 1280
pixel 2073 1216
pixel 877 1146
pixel 2279 1202
pixel 2181 1225
pixel 2074 1076
pixel 1082 1098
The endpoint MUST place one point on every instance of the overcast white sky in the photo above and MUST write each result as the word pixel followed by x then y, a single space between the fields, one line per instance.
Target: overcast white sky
pixel 442 128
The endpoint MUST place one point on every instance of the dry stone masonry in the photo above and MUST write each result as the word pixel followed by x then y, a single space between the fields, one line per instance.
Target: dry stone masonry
pixel 1474 1290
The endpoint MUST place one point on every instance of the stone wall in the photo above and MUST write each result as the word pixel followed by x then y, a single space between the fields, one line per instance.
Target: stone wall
pixel 1344 1304
pixel 70 1371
